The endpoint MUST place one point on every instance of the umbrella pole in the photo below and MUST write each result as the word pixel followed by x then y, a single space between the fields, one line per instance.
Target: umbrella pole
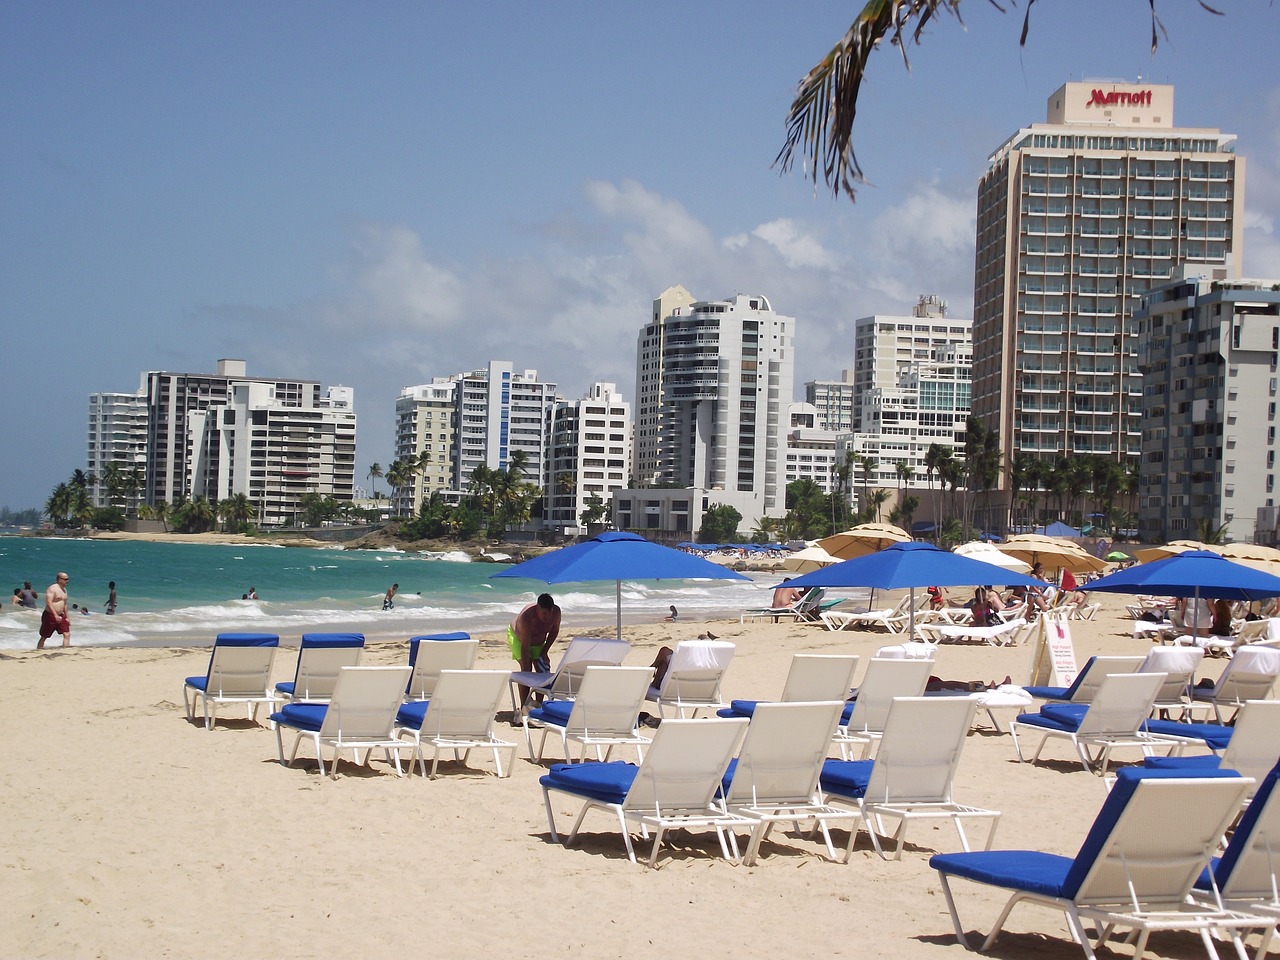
pixel 618 597
pixel 912 635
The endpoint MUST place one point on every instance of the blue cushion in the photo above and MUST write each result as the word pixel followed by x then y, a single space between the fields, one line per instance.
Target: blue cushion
pixel 333 640
pixel 1065 713
pixel 286 687
pixel 1045 723
pixel 301 716
pixel 847 712
pixel 1047 693
pixel 553 711
pixel 1028 870
pixel 1201 761
pixel 200 683
pixel 846 778
pixel 1215 735
pixel 431 637
pixel 247 640
pixel 605 782
pixel 412 714
pixel 740 708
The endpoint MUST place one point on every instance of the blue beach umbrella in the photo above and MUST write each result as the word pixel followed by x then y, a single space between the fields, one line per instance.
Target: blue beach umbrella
pixel 1194 573
pixel 618 556
pixel 902 566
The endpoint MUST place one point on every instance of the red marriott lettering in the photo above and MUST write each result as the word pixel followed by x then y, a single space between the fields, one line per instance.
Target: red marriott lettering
pixel 1103 98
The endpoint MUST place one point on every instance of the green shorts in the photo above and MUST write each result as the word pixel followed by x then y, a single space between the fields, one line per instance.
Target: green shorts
pixel 513 642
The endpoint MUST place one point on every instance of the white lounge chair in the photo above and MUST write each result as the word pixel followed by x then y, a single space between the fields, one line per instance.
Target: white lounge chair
pixel 428 655
pixel 775 776
pixel 1113 719
pixel 997 635
pixel 604 714
pixel 1179 665
pixel 563 682
pixel 893 619
pixel 239 672
pixel 807 607
pixel 359 716
pixel 1088 680
pixel 693 678
pixel 1252 744
pixel 912 775
pixel 1245 876
pixel 1149 844
pixel 320 657
pixel 812 676
pixel 673 788
pixel 1266 630
pixel 885 680
pixel 1249 675
pixel 458 717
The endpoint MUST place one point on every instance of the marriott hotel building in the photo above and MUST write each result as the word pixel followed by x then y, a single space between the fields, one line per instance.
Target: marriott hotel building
pixel 1077 217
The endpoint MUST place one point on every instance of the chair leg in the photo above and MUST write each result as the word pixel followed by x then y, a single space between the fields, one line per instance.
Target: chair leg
pixel 551 817
pixel 951 906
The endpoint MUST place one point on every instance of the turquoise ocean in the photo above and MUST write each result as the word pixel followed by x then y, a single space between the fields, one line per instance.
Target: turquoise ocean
pixel 182 594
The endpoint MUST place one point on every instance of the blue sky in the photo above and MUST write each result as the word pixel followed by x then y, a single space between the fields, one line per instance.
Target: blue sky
pixel 375 194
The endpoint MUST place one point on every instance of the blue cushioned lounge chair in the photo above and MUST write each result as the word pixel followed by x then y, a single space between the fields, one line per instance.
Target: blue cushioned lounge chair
pixel 1087 680
pixel 359 716
pixel 563 682
pixel 239 672
pixel 1251 747
pixel 604 715
pixel 912 775
pixel 1249 675
pixel 886 679
pixel 458 717
pixel 320 657
pixel 430 654
pixel 1152 838
pixel 674 787
pixel 812 676
pixel 1244 877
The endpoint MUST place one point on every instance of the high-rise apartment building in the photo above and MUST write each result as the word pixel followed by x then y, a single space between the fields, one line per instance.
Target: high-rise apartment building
pixel 1077 217
pixel 117 435
pixel 649 451
pixel 214 435
pixel 590 455
pixel 1209 347
pixel 424 435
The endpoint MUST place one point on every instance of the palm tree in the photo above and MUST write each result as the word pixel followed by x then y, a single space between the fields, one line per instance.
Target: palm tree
pixel 820 119
pixel 236 511
pixel 877 501
pixel 375 471
pixel 60 504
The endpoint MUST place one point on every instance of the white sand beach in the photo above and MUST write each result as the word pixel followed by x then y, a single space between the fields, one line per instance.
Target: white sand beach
pixel 132 833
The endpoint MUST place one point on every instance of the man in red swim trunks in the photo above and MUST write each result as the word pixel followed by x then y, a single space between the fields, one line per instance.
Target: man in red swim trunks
pixel 54 619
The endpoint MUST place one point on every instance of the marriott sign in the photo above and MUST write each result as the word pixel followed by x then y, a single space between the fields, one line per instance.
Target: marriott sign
pixel 1111 98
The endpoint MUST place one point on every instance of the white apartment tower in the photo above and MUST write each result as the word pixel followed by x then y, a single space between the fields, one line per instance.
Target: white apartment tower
pixel 1208 352
pixel 1078 217
pixel 214 435
pixel 117 435
pixel 425 435
pixel 590 455
pixel 649 451
pixel 727 379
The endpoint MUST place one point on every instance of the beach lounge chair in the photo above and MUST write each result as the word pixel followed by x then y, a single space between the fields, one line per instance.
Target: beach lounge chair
pixel 1244 877
pixel 239 672
pixel 912 775
pixel 893 619
pixel 430 654
pixel 1115 718
pixel 458 717
pixel 812 676
pixel 1249 675
pixel 693 678
pixel 359 716
pixel 320 657
pixel 1251 747
pixel 1151 840
pixel 806 608
pixel 605 713
pixel 775 775
pixel 1007 634
pixel 1088 680
pixel 885 679
pixel 1266 630
pixel 674 787
pixel 1179 665
pixel 563 682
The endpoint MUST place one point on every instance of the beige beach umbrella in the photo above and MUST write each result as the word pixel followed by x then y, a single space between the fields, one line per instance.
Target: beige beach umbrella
pixel 990 553
pixel 1172 549
pixel 1054 552
pixel 811 558
pixel 1266 559
pixel 863 539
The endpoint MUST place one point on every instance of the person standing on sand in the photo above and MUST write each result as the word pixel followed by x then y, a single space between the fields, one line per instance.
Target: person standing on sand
pixel 389 601
pixel 111 598
pixel 54 619
pixel 531 635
